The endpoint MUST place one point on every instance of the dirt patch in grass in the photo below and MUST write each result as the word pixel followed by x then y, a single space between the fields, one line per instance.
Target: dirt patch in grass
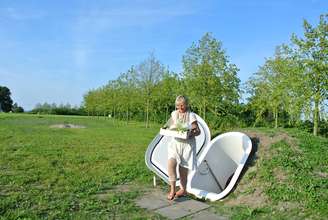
pixel 279 174
pixel 265 140
pixel 321 174
pixel 67 126
pixel 255 198
pixel 287 206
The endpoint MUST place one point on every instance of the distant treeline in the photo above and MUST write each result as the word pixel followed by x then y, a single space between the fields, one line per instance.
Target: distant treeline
pixel 61 109
pixel 289 90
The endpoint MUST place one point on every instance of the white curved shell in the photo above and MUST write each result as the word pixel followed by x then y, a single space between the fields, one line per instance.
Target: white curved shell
pixel 219 162
pixel 219 166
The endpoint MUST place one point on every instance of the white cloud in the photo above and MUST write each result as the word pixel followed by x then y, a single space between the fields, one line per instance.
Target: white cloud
pixel 20 15
pixel 104 19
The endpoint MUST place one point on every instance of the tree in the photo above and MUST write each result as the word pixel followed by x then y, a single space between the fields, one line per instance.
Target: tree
pixel 276 87
pixel 210 79
pixel 90 102
pixel 148 74
pixel 111 97
pixel 258 87
pixel 17 109
pixel 128 92
pixel 6 103
pixel 165 93
pixel 313 54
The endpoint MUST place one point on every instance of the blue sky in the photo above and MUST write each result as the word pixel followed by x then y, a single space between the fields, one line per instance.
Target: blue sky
pixel 55 51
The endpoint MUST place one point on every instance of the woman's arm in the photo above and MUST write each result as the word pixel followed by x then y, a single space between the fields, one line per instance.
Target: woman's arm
pixel 195 131
pixel 170 122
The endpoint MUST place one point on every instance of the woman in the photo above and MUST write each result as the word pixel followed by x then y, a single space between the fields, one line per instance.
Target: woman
pixel 181 151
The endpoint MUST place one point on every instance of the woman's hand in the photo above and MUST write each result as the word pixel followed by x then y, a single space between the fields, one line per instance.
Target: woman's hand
pixel 195 131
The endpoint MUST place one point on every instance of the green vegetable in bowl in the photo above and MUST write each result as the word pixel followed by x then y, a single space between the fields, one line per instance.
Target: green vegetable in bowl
pixel 181 127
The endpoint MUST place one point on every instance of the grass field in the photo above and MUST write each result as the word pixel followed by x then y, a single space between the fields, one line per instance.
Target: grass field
pixel 287 178
pixel 57 173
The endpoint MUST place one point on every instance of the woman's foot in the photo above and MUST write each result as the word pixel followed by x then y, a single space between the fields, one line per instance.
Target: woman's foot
pixel 181 193
pixel 171 196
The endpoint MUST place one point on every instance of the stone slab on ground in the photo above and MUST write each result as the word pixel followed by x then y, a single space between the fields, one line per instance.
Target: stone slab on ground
pixel 156 201
pixel 206 215
pixel 182 209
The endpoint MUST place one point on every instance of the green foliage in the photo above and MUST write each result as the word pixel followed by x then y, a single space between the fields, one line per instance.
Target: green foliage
pixel 148 91
pixel 210 80
pixel 135 94
pixel 17 109
pixel 289 176
pixel 303 181
pixel 308 127
pixel 276 89
pixel 61 109
pixel 149 73
pixel 313 55
pixel 6 103
pixel 293 85
pixel 164 95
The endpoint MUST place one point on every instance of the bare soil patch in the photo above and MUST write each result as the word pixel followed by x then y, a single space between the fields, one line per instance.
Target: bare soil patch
pixel 67 126
pixel 321 174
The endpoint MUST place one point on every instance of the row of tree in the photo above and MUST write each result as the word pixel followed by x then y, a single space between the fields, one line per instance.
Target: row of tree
pixel 55 109
pixel 149 89
pixel 289 88
pixel 293 84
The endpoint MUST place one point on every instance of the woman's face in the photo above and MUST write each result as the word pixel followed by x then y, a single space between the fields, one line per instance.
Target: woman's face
pixel 181 106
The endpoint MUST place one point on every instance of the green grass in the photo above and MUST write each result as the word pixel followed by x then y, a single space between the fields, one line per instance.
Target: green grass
pixel 300 191
pixel 58 173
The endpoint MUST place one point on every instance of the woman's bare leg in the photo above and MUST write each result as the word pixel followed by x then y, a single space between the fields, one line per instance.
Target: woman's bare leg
pixel 172 166
pixel 183 181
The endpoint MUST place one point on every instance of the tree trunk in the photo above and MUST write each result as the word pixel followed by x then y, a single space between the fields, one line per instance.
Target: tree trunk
pixel 276 118
pixel 127 116
pixel 147 114
pixel 258 117
pixel 114 115
pixel 166 114
pixel 291 116
pixel 316 117
pixel 204 110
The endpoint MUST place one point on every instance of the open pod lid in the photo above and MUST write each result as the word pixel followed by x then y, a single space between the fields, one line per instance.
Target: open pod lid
pixel 219 166
pixel 219 162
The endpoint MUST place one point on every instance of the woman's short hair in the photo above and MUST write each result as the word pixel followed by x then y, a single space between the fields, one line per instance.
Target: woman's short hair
pixel 182 98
